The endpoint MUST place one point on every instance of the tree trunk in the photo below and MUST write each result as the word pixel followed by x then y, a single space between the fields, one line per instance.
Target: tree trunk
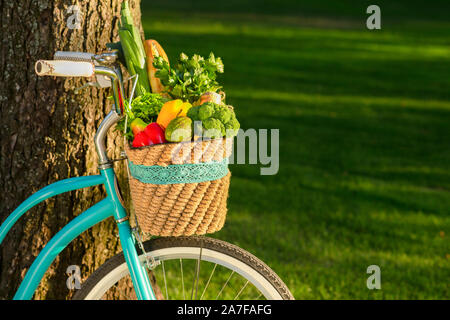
pixel 47 135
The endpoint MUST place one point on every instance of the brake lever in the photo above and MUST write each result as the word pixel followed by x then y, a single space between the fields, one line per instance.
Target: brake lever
pixel 106 57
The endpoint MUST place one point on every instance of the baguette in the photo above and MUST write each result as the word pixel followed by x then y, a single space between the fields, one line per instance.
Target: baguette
pixel 153 49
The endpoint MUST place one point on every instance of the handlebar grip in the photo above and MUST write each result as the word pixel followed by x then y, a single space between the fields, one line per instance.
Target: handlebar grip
pixel 73 56
pixel 64 68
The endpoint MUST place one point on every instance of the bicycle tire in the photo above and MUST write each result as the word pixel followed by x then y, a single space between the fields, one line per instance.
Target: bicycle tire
pixel 113 269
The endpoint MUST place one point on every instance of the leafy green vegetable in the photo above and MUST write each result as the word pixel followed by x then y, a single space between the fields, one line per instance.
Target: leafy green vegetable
pixel 189 78
pixel 145 107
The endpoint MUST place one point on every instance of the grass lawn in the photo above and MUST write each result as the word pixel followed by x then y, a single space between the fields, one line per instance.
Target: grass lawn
pixel 364 119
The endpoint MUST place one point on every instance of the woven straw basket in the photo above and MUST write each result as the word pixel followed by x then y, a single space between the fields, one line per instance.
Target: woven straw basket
pixel 180 209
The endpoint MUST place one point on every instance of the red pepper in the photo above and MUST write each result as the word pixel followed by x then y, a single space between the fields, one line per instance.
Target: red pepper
pixel 155 132
pixel 152 134
pixel 141 140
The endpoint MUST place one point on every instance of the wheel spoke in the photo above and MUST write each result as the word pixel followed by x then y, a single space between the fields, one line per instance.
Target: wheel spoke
pixel 165 281
pixel 240 291
pixel 197 273
pixel 207 284
pixel 182 278
pixel 225 284
pixel 257 298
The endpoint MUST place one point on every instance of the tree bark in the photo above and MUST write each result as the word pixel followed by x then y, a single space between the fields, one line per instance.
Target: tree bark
pixel 47 135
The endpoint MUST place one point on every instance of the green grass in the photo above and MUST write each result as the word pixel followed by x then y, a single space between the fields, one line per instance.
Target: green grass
pixel 364 119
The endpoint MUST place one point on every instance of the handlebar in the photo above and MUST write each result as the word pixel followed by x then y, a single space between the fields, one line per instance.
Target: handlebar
pixel 82 64
pixel 103 66
pixel 63 68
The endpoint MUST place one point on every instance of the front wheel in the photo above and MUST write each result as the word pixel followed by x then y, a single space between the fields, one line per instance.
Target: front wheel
pixel 191 268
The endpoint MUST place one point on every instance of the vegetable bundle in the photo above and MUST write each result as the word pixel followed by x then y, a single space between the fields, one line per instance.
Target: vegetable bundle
pixel 172 103
pixel 133 50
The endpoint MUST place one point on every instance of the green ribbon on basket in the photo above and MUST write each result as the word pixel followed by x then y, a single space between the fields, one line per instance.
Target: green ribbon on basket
pixel 179 173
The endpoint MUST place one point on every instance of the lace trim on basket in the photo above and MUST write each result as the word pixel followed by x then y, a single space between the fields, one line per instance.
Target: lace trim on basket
pixel 179 173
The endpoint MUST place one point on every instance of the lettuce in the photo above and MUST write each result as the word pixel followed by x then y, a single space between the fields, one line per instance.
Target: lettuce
pixel 146 107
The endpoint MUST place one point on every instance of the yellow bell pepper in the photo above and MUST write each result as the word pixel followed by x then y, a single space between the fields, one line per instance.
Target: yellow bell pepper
pixel 172 109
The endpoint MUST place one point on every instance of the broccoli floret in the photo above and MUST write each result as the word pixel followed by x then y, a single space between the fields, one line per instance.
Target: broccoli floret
pixel 213 128
pixel 222 113
pixel 206 111
pixel 232 127
pixel 193 113
pixel 215 119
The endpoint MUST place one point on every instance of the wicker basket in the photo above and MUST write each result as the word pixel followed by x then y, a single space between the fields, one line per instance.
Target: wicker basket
pixel 180 209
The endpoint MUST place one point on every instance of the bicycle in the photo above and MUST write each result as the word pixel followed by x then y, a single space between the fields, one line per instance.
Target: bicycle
pixel 205 257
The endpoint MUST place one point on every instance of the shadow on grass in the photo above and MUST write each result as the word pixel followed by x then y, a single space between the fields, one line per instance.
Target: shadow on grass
pixel 363 116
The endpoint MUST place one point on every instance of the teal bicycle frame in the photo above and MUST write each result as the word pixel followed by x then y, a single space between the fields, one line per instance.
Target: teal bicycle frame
pixel 111 206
